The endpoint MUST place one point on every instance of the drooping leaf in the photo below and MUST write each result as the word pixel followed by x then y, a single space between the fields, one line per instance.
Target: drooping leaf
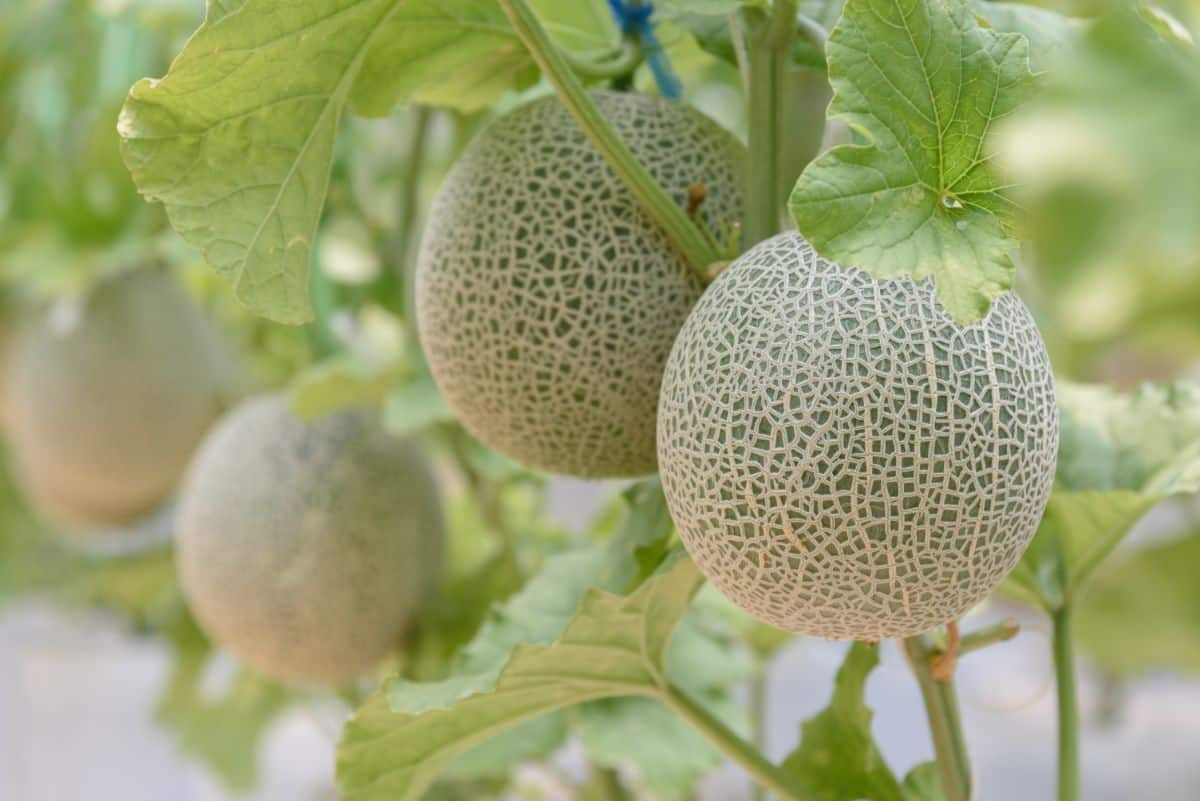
pixel 614 646
pixel 1119 456
pixel 837 759
pixel 1142 612
pixel 237 139
pixel 922 82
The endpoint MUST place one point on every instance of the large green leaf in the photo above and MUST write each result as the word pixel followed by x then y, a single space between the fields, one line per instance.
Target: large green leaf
pixel 614 646
pixel 237 140
pixel 1119 456
pixel 1143 612
pixel 922 83
pixel 838 760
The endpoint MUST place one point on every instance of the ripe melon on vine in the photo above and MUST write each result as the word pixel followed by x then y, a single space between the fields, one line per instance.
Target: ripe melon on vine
pixel 307 548
pixel 841 457
pixel 106 404
pixel 548 299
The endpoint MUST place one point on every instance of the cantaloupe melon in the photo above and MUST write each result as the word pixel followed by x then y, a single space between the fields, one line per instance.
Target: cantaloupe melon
pixel 307 548
pixel 844 460
pixel 106 405
pixel 548 299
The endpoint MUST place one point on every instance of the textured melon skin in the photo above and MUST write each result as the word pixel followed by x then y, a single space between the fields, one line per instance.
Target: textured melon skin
pixel 105 416
pixel 547 299
pixel 305 549
pixel 841 458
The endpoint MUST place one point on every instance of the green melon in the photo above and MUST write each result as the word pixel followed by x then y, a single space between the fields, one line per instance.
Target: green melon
pixel 106 404
pixel 844 460
pixel 306 549
pixel 548 299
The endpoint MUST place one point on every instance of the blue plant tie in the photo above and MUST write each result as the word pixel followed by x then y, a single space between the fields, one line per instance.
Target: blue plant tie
pixel 634 20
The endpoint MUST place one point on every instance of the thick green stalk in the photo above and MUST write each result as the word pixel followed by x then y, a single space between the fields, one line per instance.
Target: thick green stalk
pixel 687 238
pixel 758 717
pixel 945 725
pixel 1068 711
pixel 410 188
pixel 769 39
pixel 761 770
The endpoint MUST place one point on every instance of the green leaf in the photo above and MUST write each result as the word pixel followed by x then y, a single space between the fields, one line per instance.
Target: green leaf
pixel 414 404
pixel 237 140
pixel 922 83
pixel 613 646
pixel 923 783
pixel 838 759
pixel 1048 33
pixel 341 382
pixel 1104 160
pixel 670 755
pixel 222 732
pixel 1119 456
pixel 1142 613
pixel 493 759
pixel 464 53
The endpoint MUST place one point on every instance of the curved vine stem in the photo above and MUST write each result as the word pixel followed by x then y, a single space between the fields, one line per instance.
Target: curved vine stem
pixel 761 770
pixel 1068 710
pixel 945 724
pixel 627 59
pixel 687 238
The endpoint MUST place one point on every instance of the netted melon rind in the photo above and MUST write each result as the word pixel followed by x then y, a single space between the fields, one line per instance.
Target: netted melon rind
pixel 841 458
pixel 548 299
pixel 105 411
pixel 306 549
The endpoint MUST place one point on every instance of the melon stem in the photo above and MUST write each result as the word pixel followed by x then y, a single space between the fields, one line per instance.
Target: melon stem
pixel 945 723
pixel 684 235
pixel 1068 710
pixel 768 44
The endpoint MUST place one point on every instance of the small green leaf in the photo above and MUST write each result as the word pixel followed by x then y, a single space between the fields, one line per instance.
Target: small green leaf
pixel 922 83
pixel 222 732
pixel 838 759
pixel 613 646
pixel 414 404
pixel 341 382
pixel 1119 455
pixel 923 783
pixel 1143 612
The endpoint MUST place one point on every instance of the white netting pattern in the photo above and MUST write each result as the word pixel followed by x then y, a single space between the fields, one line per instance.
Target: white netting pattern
pixel 841 458
pixel 547 299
